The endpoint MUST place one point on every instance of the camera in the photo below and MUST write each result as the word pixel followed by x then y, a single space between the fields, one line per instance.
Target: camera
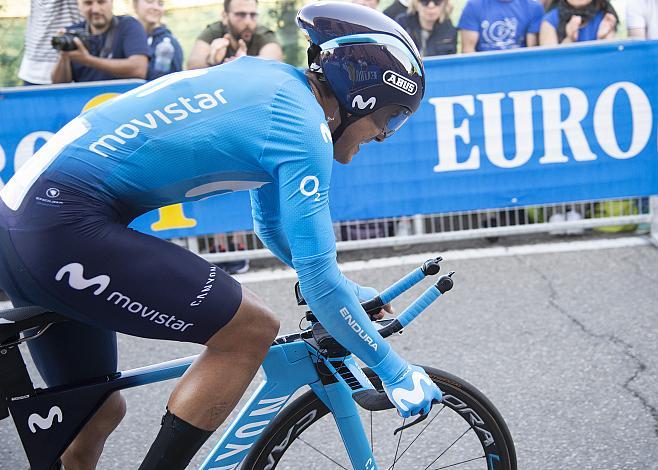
pixel 65 41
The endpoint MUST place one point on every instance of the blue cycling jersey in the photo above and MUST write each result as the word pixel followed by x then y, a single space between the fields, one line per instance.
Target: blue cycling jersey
pixel 249 124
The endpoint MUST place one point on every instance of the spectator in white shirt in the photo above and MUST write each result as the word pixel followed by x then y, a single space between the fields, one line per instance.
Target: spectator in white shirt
pixel 642 19
pixel 46 18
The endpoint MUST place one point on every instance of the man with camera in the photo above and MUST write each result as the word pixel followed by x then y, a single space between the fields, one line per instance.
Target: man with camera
pixel 237 34
pixel 102 47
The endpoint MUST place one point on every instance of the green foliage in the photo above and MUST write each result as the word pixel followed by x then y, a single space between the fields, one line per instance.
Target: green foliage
pixel 12 32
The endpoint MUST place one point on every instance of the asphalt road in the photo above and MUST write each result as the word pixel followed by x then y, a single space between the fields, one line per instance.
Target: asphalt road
pixel 564 344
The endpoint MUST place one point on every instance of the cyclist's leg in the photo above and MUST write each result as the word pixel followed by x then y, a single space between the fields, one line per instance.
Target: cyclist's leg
pixel 70 352
pixel 235 351
pixel 66 353
pixel 213 384
pixel 133 283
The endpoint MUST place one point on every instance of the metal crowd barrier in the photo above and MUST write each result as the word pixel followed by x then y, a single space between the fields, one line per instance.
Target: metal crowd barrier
pixel 613 215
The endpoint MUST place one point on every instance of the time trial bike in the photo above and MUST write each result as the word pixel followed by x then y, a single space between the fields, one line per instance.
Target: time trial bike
pixel 316 408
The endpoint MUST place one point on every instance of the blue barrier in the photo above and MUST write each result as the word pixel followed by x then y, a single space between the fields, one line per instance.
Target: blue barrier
pixel 504 129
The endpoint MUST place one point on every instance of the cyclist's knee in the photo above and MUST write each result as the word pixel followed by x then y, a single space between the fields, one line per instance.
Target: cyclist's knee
pixel 109 415
pixel 86 448
pixel 253 326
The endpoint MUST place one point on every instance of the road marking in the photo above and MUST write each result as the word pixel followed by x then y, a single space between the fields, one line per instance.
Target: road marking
pixel 457 255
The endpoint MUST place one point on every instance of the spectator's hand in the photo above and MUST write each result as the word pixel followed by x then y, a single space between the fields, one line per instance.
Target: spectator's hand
pixel 572 27
pixel 242 48
pixel 239 52
pixel 218 49
pixel 607 27
pixel 81 54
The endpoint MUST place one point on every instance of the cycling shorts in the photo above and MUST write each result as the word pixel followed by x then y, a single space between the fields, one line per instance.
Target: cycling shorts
pixel 82 262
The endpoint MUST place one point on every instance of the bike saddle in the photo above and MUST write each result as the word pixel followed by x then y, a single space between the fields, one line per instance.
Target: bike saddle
pixel 14 321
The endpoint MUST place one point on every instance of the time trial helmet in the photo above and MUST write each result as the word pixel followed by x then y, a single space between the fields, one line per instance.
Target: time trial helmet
pixel 370 63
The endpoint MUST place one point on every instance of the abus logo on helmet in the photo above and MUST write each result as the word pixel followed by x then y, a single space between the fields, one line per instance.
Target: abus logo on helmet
pixel 398 81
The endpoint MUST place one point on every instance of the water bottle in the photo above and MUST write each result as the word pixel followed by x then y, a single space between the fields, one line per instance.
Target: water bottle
pixel 164 54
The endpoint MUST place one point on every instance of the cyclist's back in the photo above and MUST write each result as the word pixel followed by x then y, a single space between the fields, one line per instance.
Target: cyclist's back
pixel 180 138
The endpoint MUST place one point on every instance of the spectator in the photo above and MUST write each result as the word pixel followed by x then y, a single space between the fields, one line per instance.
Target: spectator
pixel 642 19
pixel 397 8
pixel 115 47
pixel 237 34
pixel 46 18
pixel 569 21
pixel 489 25
pixel 578 20
pixel 374 4
pixel 166 53
pixel 428 23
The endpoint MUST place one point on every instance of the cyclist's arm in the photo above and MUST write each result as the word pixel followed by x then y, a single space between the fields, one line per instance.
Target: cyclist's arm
pixel 267 225
pixel 267 221
pixel 299 158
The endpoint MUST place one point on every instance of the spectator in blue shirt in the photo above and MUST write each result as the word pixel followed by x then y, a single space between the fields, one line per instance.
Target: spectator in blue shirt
pixel 489 25
pixel 578 20
pixel 428 23
pixel 115 48
pixel 166 52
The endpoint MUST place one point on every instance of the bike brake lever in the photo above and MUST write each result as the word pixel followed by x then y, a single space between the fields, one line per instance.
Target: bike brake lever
pixel 421 417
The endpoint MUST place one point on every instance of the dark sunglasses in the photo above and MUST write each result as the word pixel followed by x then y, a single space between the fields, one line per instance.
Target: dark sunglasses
pixel 243 14
pixel 427 2
pixel 390 118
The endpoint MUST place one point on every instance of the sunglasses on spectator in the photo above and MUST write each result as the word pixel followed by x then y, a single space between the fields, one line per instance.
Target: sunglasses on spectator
pixel 243 14
pixel 427 2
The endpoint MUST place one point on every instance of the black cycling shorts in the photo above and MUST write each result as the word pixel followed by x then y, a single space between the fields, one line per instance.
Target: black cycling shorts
pixel 112 278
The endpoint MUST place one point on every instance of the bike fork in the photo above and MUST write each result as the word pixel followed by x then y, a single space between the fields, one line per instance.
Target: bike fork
pixel 338 397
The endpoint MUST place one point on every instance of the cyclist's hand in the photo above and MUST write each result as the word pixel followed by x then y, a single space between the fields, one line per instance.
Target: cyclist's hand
pixel 367 293
pixel 388 308
pixel 412 392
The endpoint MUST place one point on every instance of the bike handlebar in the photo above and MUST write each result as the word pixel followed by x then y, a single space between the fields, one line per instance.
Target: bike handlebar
pixel 429 268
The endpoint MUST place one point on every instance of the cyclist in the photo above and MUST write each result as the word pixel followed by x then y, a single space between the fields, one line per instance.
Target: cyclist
pixel 249 124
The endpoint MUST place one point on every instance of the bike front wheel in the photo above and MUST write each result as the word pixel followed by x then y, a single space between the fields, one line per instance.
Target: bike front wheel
pixel 464 432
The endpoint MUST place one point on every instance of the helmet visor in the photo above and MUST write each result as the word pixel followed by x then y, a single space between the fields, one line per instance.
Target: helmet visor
pixel 390 118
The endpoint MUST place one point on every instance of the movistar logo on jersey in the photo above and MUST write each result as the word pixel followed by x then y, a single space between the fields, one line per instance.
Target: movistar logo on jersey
pixel 399 82
pixel 78 281
pixel 178 110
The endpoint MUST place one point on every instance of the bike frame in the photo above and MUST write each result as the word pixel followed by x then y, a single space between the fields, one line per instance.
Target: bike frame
pixel 48 420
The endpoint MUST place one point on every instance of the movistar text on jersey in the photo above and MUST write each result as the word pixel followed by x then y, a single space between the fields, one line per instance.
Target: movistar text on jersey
pixel 178 110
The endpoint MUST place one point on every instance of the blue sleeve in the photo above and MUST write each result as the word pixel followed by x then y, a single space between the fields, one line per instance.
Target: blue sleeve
pixel 470 19
pixel 299 156
pixel 133 38
pixel 536 14
pixel 267 221
pixel 551 17
pixel 267 225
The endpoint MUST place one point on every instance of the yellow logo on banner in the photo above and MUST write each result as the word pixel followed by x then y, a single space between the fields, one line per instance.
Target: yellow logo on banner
pixel 96 100
pixel 170 217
